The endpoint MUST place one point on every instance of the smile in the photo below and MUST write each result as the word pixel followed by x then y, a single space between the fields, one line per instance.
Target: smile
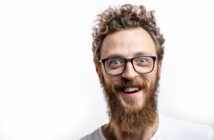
pixel 132 92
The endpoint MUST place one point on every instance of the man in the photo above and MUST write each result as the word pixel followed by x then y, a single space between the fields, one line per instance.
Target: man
pixel 128 53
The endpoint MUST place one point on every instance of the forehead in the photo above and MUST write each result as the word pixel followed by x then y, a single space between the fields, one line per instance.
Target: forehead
pixel 128 43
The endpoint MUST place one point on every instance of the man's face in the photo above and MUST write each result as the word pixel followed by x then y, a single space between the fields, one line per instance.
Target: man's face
pixel 141 104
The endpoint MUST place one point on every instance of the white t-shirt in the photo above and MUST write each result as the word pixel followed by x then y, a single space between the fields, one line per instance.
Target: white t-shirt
pixel 169 129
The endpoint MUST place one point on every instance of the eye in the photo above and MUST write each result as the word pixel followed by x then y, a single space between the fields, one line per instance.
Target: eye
pixel 142 60
pixel 115 62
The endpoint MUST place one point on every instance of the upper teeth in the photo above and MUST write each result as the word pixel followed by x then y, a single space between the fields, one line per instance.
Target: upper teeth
pixel 131 89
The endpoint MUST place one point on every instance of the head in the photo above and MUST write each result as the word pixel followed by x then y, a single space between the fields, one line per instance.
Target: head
pixel 124 33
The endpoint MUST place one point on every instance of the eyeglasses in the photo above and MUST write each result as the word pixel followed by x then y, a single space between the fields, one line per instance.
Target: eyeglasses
pixel 117 65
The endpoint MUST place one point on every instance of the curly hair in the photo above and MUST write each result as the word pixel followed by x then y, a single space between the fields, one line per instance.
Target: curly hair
pixel 125 17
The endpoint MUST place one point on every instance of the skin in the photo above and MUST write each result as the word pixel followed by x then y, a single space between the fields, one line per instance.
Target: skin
pixel 129 43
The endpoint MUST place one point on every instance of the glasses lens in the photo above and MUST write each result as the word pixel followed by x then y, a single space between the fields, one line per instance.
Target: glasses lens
pixel 143 64
pixel 114 66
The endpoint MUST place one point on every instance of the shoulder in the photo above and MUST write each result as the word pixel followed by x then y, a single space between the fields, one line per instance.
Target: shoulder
pixel 96 135
pixel 182 130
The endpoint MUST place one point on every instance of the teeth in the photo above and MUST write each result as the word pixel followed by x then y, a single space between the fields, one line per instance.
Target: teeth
pixel 131 89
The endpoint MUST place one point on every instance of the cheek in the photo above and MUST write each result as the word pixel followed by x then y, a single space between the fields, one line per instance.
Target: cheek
pixel 111 79
pixel 150 76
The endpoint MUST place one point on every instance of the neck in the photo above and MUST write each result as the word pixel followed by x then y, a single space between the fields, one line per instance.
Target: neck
pixel 112 132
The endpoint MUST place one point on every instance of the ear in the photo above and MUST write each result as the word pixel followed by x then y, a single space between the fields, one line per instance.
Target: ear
pixel 159 67
pixel 98 70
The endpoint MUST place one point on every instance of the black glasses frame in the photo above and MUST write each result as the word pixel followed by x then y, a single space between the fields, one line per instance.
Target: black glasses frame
pixel 128 60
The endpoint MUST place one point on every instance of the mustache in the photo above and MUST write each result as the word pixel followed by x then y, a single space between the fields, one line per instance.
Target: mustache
pixel 138 83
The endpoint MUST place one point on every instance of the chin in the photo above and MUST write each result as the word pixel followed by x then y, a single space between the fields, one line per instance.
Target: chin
pixel 130 103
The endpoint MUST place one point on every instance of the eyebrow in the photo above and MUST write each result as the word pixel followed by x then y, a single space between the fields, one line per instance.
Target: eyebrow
pixel 143 54
pixel 135 54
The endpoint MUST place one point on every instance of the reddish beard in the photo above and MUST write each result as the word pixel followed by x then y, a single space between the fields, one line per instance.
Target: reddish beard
pixel 130 120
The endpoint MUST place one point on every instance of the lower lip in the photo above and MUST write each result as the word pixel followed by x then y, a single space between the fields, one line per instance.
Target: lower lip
pixel 133 94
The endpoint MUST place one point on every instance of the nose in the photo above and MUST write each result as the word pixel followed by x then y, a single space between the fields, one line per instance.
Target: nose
pixel 129 72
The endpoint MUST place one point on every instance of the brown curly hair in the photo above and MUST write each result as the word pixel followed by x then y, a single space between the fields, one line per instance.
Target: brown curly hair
pixel 125 17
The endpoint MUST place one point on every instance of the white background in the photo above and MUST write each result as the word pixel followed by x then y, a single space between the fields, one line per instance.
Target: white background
pixel 49 89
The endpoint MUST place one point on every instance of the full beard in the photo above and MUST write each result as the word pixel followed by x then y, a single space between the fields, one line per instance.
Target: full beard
pixel 131 119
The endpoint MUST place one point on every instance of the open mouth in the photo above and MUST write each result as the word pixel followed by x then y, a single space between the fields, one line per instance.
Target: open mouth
pixel 131 90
